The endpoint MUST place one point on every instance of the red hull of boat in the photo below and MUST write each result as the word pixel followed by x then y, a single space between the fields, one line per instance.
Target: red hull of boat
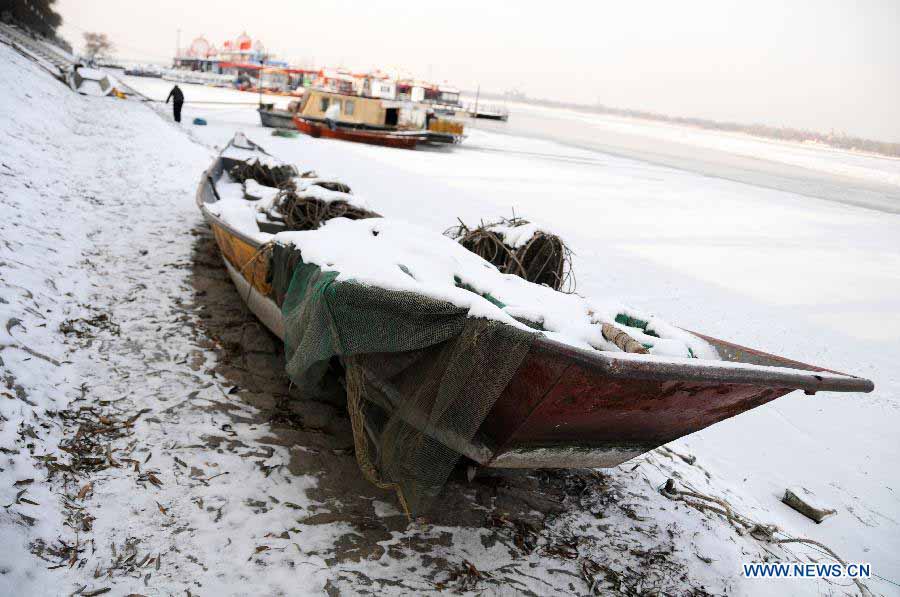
pixel 387 139
pixel 560 411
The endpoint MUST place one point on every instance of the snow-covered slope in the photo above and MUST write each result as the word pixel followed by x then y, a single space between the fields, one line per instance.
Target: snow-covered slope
pixel 41 245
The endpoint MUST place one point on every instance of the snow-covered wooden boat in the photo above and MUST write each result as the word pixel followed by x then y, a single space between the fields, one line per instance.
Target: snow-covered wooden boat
pixel 489 112
pixel 565 406
pixel 372 120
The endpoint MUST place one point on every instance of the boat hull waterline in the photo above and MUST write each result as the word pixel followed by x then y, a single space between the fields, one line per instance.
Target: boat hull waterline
pixel 386 138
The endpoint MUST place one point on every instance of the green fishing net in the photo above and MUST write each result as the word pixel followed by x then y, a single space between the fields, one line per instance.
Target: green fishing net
pixel 420 375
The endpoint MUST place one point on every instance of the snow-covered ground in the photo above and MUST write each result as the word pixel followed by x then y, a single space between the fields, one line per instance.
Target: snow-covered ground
pixel 145 446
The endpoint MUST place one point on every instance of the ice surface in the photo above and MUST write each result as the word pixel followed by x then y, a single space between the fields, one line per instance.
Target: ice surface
pixel 855 165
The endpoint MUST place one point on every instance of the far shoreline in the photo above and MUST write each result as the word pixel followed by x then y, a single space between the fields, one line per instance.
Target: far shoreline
pixel 786 135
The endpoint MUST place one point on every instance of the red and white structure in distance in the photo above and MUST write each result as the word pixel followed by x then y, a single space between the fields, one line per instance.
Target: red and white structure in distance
pixel 249 62
pixel 240 50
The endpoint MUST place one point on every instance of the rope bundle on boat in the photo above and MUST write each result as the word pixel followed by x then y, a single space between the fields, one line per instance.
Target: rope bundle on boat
pixel 301 211
pixel 269 175
pixel 542 258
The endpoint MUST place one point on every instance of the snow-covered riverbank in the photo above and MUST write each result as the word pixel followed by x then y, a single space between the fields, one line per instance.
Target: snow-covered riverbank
pixel 185 467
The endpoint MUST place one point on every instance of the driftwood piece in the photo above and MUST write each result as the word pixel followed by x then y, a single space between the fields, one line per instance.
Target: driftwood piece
pixel 622 339
pixel 805 507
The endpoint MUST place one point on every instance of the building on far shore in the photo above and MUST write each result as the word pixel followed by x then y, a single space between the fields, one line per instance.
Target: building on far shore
pixel 245 63
pixel 241 61
pixel 203 56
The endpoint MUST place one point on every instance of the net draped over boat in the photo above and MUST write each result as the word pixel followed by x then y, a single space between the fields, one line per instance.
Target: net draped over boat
pixel 421 376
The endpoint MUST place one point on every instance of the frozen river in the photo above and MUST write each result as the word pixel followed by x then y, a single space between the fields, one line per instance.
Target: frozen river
pixel 805 169
pixel 810 170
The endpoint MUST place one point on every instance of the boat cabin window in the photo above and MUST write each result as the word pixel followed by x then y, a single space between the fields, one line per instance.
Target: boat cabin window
pixel 348 107
pixel 323 103
pixel 391 116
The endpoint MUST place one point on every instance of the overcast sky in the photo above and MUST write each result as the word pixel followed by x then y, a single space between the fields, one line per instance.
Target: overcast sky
pixel 820 64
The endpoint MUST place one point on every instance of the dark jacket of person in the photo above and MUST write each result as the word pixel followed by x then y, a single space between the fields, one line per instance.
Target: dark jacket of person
pixel 176 95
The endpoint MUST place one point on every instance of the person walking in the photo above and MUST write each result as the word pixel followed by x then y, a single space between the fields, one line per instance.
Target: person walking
pixel 177 101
